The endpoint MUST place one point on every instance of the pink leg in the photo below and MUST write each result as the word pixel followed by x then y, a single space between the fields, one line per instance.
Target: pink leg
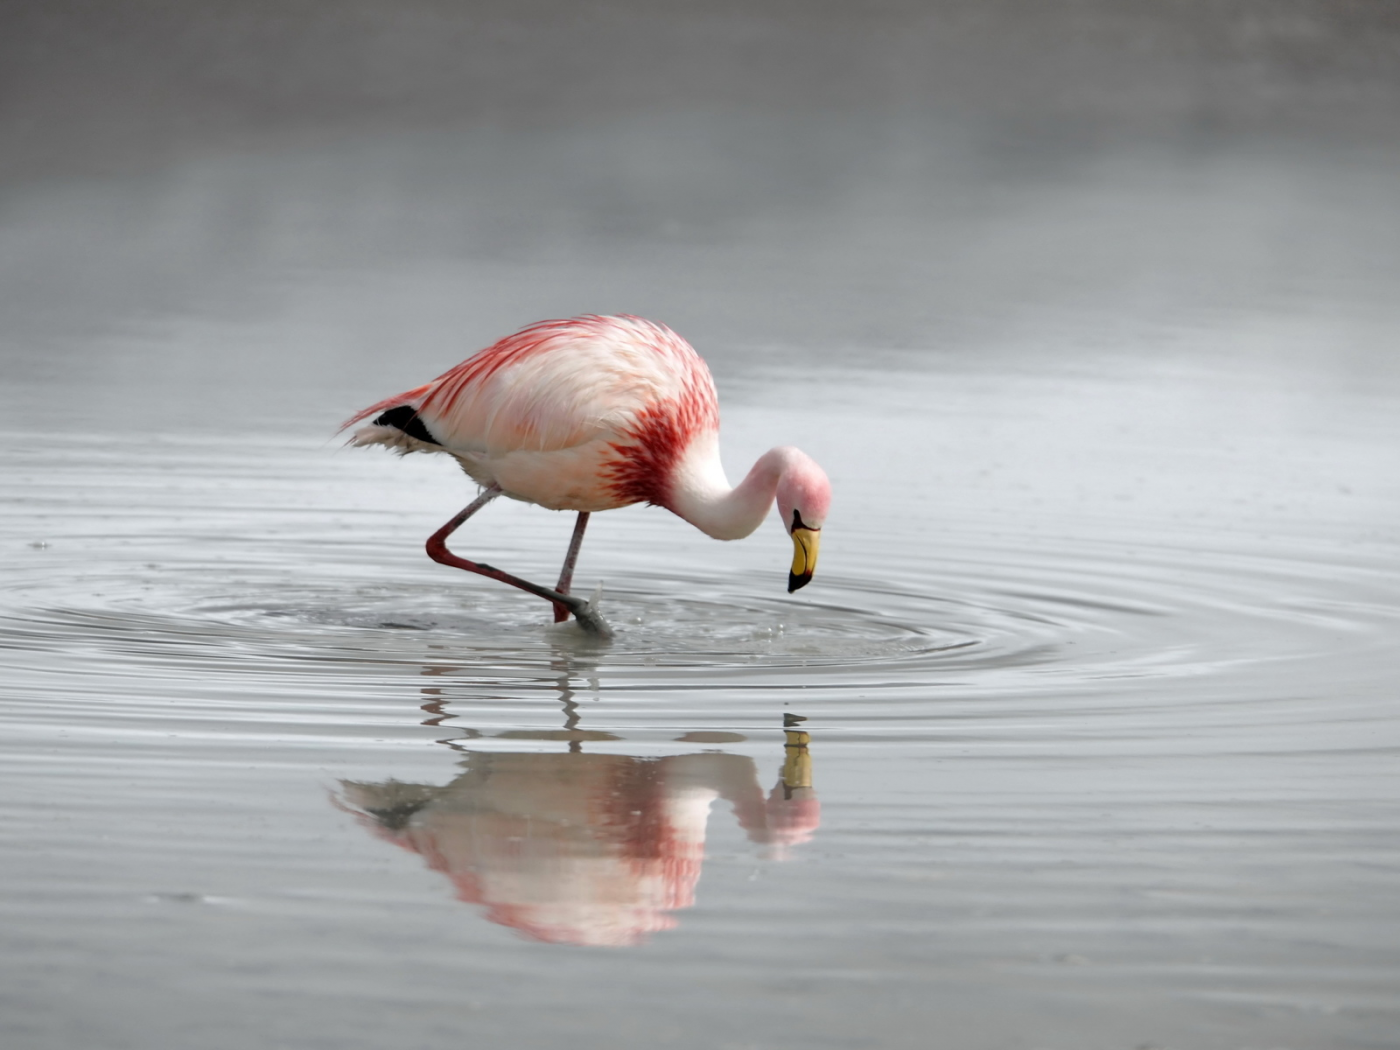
pixel 566 575
pixel 437 550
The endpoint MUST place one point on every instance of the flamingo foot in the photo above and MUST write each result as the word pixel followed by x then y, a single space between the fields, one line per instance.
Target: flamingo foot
pixel 587 616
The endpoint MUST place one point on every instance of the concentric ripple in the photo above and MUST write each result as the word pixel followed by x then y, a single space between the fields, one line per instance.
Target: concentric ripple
pixel 264 585
pixel 1015 622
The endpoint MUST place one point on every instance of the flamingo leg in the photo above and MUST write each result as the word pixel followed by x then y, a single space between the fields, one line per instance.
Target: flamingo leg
pixel 566 574
pixel 437 550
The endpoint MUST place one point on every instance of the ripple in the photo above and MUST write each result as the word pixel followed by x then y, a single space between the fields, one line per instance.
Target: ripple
pixel 1068 615
pixel 273 605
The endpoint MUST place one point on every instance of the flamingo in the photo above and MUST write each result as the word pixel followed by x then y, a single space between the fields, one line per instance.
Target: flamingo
pixel 588 414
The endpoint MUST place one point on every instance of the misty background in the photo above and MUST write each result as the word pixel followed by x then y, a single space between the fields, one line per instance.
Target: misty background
pixel 292 206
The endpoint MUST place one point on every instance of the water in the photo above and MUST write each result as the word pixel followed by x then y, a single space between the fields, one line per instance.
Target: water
pixel 1085 735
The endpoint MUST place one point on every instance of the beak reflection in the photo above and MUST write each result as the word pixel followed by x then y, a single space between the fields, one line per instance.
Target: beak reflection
pixel 590 849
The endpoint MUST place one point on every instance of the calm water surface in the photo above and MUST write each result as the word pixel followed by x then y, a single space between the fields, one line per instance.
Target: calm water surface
pixel 1099 674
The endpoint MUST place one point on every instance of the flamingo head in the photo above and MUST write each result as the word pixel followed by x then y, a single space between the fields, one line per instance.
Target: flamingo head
pixel 804 495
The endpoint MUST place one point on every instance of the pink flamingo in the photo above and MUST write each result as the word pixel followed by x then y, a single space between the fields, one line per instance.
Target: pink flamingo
pixel 589 414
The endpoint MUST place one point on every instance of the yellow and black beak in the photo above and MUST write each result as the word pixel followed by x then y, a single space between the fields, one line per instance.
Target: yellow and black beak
pixel 805 542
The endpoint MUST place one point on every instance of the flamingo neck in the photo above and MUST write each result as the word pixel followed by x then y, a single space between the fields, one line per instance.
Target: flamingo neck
pixel 702 495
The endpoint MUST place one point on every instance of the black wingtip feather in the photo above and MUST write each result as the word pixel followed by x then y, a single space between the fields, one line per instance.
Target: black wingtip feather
pixel 405 418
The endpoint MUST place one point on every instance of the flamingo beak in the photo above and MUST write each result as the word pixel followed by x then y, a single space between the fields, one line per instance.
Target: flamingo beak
pixel 805 542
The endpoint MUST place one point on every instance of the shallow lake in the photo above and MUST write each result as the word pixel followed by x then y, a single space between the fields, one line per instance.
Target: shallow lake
pixel 1086 734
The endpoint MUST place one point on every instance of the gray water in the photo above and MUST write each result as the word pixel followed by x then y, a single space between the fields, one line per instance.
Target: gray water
pixel 1085 735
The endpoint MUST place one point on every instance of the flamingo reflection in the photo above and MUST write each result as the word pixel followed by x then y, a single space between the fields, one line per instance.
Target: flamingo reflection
pixel 580 848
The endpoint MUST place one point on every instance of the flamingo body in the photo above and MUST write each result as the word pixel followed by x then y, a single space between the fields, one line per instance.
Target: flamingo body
pixel 594 413
pixel 588 414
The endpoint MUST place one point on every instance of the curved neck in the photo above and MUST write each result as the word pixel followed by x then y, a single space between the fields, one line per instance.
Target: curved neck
pixel 701 494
